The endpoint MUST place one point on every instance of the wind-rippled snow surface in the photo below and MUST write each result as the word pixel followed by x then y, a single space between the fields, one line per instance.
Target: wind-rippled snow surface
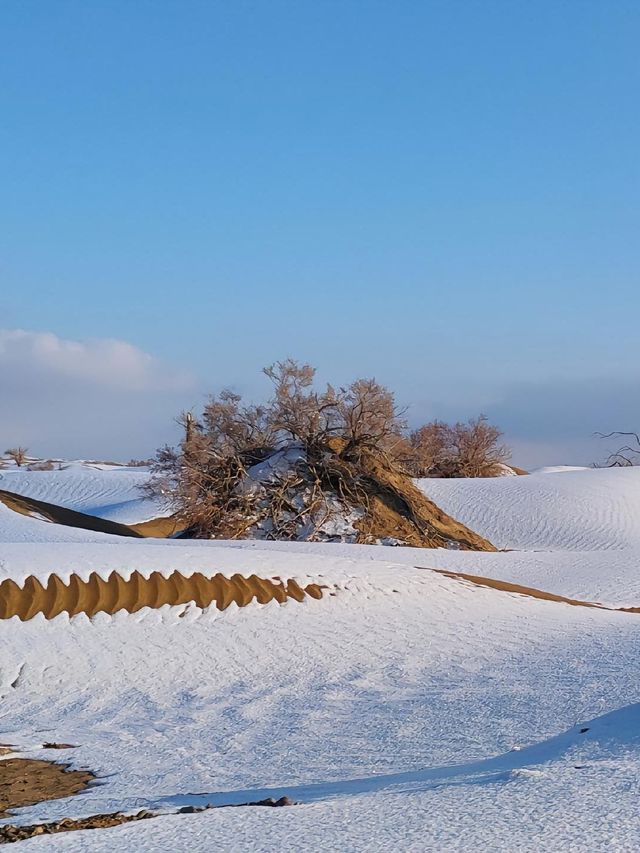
pixel 406 711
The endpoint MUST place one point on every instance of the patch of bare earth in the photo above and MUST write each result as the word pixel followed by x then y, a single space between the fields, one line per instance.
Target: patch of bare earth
pixel 159 528
pixel 10 834
pixel 527 591
pixel 27 781
pixel 396 509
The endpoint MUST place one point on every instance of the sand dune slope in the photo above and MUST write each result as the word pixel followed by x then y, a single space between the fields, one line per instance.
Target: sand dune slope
pixel 60 515
pixel 114 493
pixel 582 510
pixel 468 708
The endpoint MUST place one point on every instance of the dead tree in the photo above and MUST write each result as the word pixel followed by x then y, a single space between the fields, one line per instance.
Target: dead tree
pixel 626 456
pixel 18 454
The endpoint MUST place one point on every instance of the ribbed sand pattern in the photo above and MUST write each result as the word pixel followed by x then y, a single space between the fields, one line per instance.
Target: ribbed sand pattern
pixel 97 594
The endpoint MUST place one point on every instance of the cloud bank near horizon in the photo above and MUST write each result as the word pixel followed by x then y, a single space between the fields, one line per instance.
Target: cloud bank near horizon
pixel 101 397
pixel 108 398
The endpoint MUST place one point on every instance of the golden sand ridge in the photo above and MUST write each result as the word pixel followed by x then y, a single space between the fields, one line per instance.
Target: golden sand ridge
pixel 109 595
pixel 526 591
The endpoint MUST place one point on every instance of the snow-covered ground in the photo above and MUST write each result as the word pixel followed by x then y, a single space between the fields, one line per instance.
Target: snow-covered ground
pixel 560 509
pixel 109 491
pixel 408 711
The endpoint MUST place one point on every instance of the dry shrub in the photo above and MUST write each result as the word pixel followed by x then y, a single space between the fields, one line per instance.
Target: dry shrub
pixel 471 449
pixel 18 454
pixel 206 476
pixel 429 449
pixel 283 469
pixel 369 418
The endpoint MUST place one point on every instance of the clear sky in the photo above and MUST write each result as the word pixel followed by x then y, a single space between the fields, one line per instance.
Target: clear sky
pixel 441 194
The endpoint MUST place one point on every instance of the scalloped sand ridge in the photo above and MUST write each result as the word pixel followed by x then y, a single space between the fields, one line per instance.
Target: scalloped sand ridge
pixel 114 593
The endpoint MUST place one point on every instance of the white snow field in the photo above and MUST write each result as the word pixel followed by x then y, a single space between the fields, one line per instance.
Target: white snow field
pixel 113 492
pixel 407 711
pixel 561 509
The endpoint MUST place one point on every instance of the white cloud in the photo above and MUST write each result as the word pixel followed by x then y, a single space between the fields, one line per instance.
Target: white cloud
pixel 101 397
pixel 105 362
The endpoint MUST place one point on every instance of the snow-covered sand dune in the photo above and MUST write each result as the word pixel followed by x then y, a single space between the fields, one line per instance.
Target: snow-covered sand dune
pixel 579 510
pixel 393 682
pixel 405 709
pixel 108 491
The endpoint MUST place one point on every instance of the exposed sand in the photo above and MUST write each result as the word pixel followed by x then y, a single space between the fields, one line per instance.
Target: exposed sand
pixel 395 508
pixel 96 594
pixel 61 515
pixel 530 592
pixel 158 528
pixel 25 781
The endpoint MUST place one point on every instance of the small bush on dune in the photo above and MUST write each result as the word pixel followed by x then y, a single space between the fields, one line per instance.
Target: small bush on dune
pixel 18 454
pixel 428 449
pixel 471 449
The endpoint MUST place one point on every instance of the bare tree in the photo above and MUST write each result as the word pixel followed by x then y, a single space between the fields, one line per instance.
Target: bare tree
pixel 297 411
pixel 626 456
pixel 18 454
pixel 370 418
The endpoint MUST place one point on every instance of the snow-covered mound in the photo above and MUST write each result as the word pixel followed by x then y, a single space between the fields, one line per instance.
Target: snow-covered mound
pixel 108 491
pixel 584 509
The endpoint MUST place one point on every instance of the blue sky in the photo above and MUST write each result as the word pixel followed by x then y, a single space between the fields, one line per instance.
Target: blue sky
pixel 440 194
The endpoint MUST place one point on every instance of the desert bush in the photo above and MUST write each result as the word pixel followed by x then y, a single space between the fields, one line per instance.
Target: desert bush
pixel 369 418
pixel 296 411
pixel 470 449
pixel 478 450
pixel 429 448
pixel 206 475
pixel 326 438
pixel 18 454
